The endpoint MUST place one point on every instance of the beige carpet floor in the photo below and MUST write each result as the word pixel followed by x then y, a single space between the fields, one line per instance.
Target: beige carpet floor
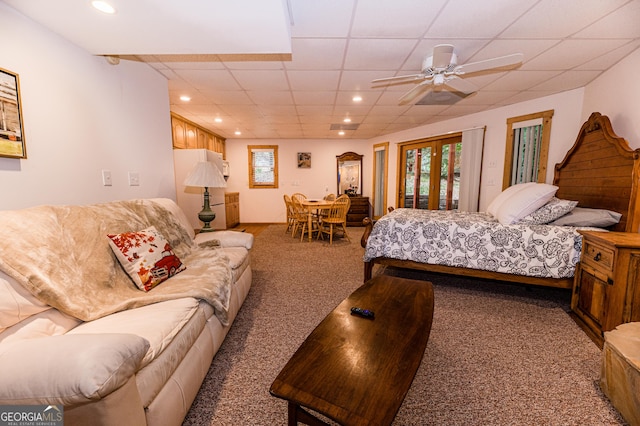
pixel 498 354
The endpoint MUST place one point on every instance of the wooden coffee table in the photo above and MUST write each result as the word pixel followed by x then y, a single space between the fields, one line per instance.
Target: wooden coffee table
pixel 355 370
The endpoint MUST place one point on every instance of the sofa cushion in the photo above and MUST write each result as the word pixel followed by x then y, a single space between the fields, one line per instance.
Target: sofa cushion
pixel 69 369
pixel 226 238
pixel 16 303
pixel 146 256
pixel 238 260
pixel 158 324
pixel 51 322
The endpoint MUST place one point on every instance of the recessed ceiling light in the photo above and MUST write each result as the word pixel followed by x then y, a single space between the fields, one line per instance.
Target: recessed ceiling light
pixel 218 120
pixel 185 98
pixel 341 132
pixel 103 6
pixel 357 98
pixel 347 120
pixel 238 132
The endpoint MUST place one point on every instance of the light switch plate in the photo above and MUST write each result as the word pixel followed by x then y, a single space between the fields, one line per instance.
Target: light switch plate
pixel 106 178
pixel 134 179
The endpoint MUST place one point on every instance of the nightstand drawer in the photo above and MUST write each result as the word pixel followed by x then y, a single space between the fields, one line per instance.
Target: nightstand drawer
pixel 598 257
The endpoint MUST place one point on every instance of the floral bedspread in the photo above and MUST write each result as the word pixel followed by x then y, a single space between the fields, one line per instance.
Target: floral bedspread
pixel 477 241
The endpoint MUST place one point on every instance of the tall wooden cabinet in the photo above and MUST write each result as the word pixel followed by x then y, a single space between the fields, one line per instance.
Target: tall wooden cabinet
pixel 606 289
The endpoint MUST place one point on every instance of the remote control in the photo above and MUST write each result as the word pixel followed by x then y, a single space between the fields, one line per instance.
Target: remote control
pixel 365 313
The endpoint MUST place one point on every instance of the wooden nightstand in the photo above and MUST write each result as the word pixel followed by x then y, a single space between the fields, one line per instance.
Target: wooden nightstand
pixel 606 291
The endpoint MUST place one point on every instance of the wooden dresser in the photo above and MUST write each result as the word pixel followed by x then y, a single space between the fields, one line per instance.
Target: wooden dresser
pixel 606 291
pixel 232 208
pixel 360 208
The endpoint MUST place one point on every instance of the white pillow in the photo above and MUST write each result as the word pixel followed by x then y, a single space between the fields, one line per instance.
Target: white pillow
pixel 524 202
pixel 581 216
pixel 497 202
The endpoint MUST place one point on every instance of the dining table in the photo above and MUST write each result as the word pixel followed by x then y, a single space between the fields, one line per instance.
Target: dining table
pixel 314 206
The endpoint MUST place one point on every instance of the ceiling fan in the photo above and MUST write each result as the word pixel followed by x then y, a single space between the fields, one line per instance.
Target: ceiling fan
pixel 442 69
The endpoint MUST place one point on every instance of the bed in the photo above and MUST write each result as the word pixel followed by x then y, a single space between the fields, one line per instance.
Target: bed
pixel 600 171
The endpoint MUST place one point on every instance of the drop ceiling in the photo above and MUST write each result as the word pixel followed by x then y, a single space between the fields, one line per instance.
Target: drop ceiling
pixel 290 69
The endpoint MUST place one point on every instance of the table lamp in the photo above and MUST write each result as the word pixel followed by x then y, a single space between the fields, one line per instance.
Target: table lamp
pixel 206 175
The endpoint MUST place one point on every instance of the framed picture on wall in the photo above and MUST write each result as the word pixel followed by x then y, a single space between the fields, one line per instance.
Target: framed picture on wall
pixel 304 160
pixel 11 130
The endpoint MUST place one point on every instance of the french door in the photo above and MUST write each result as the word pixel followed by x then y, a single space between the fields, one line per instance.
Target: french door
pixel 430 173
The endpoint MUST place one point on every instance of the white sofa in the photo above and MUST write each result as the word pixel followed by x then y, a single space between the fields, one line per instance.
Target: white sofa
pixel 142 364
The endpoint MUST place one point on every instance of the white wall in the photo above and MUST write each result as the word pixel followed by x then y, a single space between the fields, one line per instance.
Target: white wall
pixel 82 115
pixel 566 123
pixel 267 205
pixel 616 94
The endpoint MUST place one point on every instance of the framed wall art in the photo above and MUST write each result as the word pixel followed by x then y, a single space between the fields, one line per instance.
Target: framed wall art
pixel 304 160
pixel 11 129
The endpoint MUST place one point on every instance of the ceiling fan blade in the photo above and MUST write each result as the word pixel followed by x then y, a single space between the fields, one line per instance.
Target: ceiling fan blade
pixel 442 56
pixel 461 85
pixel 487 64
pixel 414 93
pixel 398 78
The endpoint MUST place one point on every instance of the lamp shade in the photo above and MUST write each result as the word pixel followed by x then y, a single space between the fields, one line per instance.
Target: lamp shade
pixel 205 174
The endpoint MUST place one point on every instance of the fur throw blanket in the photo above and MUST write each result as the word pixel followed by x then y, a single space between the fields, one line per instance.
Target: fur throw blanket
pixel 61 254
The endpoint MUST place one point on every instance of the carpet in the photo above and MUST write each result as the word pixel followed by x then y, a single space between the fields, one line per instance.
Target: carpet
pixel 498 354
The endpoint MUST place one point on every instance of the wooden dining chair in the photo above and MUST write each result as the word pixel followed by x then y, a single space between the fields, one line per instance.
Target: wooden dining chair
pixel 298 196
pixel 336 218
pixel 290 213
pixel 302 219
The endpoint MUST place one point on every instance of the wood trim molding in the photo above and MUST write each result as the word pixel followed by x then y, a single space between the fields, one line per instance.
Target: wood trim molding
pixel 544 148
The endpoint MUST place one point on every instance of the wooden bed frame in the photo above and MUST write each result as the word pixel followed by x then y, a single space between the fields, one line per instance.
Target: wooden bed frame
pixel 600 171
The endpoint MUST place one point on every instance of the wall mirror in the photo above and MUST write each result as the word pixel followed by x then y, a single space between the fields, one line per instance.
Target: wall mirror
pixel 349 173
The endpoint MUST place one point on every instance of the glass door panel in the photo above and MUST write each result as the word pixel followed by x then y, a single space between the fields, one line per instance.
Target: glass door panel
pixel 450 176
pixel 424 189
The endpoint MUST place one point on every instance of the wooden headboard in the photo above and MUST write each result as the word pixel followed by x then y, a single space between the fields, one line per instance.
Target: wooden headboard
pixel 601 171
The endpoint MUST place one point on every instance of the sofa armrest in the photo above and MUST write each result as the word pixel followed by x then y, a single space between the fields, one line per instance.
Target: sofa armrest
pixel 68 369
pixel 226 238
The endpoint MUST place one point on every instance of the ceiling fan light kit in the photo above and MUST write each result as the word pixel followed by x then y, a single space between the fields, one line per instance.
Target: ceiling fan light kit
pixel 441 70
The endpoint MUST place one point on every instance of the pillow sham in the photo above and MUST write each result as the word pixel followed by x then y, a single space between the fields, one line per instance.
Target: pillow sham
pixel 502 197
pixel 525 202
pixel 146 256
pixel 582 216
pixel 554 209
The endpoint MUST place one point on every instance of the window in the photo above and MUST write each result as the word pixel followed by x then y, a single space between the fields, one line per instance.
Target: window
pixel 263 166
pixel 527 148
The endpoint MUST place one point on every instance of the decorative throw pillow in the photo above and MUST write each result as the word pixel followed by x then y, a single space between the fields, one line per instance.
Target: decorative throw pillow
pixel 146 256
pixel 551 211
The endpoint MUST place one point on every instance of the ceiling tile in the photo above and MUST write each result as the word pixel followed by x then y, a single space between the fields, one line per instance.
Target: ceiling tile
pixel 314 80
pixel 399 19
pixel 476 19
pixel 559 19
pixel 261 79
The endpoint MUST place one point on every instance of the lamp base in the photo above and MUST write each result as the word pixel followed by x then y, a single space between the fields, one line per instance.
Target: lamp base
pixel 206 215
